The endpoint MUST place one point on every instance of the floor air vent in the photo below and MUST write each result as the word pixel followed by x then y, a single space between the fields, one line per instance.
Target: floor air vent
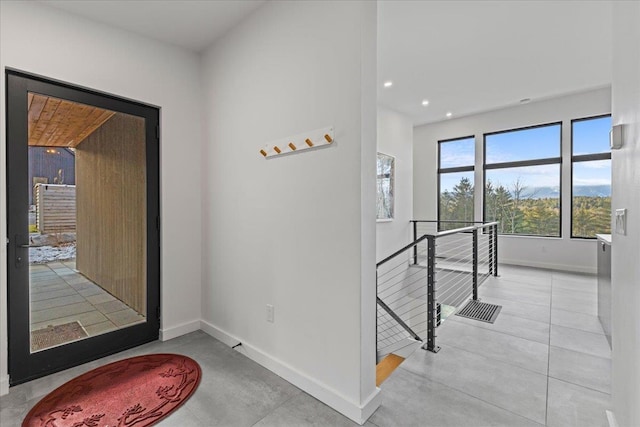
pixel 480 311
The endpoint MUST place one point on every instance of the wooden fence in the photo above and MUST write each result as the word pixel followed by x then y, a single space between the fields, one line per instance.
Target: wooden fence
pixel 55 208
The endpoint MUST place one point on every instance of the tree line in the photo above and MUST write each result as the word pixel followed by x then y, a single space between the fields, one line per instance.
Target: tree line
pixel 520 212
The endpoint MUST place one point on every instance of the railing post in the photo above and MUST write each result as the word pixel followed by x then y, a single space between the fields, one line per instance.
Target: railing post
pixel 431 296
pixel 490 250
pixel 495 250
pixel 475 263
pixel 415 237
pixel 376 319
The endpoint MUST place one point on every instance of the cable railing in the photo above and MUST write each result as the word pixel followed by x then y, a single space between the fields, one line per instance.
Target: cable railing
pixel 401 299
pixel 421 284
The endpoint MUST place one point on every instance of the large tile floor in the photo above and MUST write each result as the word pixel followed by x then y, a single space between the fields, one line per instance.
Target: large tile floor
pixel 537 365
pixel 60 294
pixel 545 361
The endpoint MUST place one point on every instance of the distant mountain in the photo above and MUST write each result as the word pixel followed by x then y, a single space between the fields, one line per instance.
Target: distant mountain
pixel 579 190
pixel 541 192
pixel 592 190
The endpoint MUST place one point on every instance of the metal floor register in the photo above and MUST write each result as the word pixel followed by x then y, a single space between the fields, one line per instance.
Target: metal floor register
pixel 482 311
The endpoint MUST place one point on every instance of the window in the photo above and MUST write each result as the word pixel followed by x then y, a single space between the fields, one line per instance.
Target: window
pixel 522 180
pixel 455 181
pixel 590 177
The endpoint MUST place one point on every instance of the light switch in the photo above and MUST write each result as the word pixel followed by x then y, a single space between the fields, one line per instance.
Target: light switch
pixel 621 221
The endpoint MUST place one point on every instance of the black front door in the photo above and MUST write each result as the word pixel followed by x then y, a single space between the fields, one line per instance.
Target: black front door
pixel 82 225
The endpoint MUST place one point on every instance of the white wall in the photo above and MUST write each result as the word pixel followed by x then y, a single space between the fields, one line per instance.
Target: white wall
pixel 557 253
pixel 395 137
pixel 625 267
pixel 295 231
pixel 44 41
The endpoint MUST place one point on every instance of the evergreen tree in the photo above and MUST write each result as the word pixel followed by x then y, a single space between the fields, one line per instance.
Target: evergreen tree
pixel 518 212
pixel 463 201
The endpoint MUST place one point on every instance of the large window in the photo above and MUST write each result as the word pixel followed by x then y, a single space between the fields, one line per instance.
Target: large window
pixel 522 180
pixel 455 181
pixel 591 177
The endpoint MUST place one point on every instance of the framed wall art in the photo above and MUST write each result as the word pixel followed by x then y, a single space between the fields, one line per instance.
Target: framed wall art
pixel 385 187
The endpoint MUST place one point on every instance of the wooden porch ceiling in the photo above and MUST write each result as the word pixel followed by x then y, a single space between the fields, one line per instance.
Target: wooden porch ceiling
pixel 55 122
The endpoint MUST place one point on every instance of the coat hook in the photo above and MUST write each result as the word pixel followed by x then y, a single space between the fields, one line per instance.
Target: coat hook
pixel 309 143
pixel 277 150
pixel 328 138
pixel 264 153
pixel 292 146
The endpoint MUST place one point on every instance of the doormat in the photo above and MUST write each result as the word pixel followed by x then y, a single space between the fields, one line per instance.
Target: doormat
pixel 52 336
pixel 139 392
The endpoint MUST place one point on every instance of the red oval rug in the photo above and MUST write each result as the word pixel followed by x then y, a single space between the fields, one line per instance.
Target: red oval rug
pixel 139 391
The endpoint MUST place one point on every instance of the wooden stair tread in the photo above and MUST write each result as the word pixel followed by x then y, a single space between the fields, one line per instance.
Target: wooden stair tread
pixel 386 367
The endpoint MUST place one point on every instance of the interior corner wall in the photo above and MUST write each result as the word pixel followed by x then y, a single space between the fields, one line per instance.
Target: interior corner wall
pixel 625 268
pixel 395 138
pixel 556 253
pixel 38 39
pixel 289 231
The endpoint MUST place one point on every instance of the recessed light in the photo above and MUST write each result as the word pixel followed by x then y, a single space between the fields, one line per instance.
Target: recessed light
pixel 388 83
pixel 449 114
pixel 425 102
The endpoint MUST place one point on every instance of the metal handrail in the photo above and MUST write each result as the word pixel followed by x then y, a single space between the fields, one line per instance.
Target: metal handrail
pixel 436 235
pixel 464 229
pixel 400 251
pixel 432 309
pixel 446 220
pixel 397 318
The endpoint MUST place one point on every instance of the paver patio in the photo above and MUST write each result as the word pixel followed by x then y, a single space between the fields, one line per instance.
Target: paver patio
pixel 60 294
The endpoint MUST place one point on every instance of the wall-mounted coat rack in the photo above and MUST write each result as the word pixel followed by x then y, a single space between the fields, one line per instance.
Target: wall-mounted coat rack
pixel 294 144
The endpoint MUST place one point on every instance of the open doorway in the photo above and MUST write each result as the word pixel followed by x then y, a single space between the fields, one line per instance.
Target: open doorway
pixel 86 221
pixel 83 225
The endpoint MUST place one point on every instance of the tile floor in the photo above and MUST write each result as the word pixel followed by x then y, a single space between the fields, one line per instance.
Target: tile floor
pixel 537 365
pixel 59 294
pixel 545 361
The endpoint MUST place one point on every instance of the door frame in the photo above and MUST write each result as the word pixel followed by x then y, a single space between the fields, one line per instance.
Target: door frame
pixel 24 365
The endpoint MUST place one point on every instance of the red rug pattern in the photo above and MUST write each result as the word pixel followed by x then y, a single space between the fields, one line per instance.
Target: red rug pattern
pixel 139 392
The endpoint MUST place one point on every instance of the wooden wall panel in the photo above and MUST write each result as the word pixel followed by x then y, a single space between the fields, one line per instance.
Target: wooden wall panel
pixel 111 209
pixel 55 208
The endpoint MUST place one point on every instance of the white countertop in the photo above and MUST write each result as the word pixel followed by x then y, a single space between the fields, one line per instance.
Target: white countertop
pixel 606 238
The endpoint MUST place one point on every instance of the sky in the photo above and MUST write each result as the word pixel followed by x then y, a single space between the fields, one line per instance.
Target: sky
pixel 589 137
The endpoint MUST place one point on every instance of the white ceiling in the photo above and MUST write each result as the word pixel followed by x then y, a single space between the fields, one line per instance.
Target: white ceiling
pixel 472 56
pixel 191 24
pixel 463 56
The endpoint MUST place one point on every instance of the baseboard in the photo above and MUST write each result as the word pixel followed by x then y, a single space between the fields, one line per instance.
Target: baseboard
pixel 550 266
pixel 612 419
pixel 322 392
pixel 181 329
pixel 4 385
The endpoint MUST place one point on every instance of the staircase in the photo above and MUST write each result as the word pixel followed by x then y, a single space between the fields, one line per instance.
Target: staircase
pixel 425 281
pixel 386 367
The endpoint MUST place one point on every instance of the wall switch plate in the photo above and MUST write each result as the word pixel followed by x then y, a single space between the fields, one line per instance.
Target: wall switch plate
pixel 621 221
pixel 270 313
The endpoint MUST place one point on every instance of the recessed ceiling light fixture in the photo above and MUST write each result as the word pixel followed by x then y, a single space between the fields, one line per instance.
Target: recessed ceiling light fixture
pixel 425 102
pixel 449 114
pixel 388 83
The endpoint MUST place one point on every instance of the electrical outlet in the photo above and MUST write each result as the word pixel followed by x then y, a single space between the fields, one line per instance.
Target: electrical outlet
pixel 270 313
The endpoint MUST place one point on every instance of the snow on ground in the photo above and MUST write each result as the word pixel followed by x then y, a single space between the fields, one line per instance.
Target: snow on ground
pixel 45 254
